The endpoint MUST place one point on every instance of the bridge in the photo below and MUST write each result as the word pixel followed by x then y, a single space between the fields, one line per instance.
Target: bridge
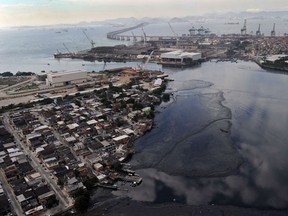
pixel 115 34
pixel 118 35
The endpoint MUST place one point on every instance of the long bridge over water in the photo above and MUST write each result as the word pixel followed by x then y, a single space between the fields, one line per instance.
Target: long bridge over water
pixel 118 35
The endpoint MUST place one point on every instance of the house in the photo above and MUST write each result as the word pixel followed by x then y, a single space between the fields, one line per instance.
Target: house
pixel 93 158
pixel 35 211
pixel 72 185
pixel 34 140
pixel 5 205
pixel 43 193
pixel 108 147
pixel 121 139
pixel 33 179
pixel 95 147
pixel 51 162
pixel 98 166
pixel 24 168
pixel 61 171
pixel 11 172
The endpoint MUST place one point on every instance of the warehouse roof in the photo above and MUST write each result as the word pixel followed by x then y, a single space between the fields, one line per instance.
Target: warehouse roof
pixel 179 54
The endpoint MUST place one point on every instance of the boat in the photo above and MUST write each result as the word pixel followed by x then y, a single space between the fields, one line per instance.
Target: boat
pixel 62 55
pixel 232 23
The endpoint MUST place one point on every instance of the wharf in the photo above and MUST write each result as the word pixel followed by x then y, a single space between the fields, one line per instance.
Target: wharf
pixel 133 179
pixel 270 66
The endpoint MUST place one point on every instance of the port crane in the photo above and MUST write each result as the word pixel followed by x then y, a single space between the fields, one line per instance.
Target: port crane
pixel 258 32
pixel 192 31
pixel 134 37
pixel 244 29
pixel 66 48
pixel 273 33
pixel 144 35
pixel 175 34
pixel 90 40
pixel 104 66
pixel 143 65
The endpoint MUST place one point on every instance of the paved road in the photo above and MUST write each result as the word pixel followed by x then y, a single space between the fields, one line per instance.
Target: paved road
pixel 36 165
pixel 10 194
pixel 18 84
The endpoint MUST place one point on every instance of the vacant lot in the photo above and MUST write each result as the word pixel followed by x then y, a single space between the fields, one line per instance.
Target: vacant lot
pixel 12 80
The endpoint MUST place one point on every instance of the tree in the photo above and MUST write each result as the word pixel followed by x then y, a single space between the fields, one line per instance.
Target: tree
pixel 19 73
pixel 60 182
pixel 6 74
pixel 90 182
pixel 51 201
pixel 82 200
pixel 82 203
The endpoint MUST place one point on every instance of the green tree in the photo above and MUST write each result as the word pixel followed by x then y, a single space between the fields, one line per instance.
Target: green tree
pixel 90 182
pixel 6 74
pixel 82 203
pixel 60 182
pixel 51 201
pixel 82 200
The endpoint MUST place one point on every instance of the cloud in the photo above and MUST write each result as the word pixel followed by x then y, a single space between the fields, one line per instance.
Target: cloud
pixel 126 2
pixel 14 6
pixel 253 10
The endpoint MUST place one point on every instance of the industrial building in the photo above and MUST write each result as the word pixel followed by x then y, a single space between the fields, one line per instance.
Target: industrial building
pixel 56 79
pixel 273 58
pixel 180 58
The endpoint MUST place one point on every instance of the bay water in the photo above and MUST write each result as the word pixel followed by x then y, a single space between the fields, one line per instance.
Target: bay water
pixel 221 139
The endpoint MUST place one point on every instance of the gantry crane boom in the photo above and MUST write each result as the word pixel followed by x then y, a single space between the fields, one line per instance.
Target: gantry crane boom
pixel 175 34
pixel 90 40
pixel 66 48
pixel 273 33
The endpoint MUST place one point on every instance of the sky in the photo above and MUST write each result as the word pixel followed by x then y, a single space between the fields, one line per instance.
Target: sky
pixel 46 12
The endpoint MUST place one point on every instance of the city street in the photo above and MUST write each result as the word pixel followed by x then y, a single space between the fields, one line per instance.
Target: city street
pixel 64 201
pixel 9 193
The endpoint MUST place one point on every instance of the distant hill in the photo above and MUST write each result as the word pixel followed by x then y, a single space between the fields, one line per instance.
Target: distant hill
pixel 251 14
pixel 177 20
pixel 240 15
pixel 130 21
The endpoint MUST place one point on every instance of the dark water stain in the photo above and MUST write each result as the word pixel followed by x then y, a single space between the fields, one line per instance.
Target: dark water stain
pixel 224 143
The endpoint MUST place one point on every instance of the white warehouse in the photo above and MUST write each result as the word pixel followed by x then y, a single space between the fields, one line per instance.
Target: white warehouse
pixel 179 57
pixel 56 79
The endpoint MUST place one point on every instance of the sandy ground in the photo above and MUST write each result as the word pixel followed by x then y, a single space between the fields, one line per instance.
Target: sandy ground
pixel 16 100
